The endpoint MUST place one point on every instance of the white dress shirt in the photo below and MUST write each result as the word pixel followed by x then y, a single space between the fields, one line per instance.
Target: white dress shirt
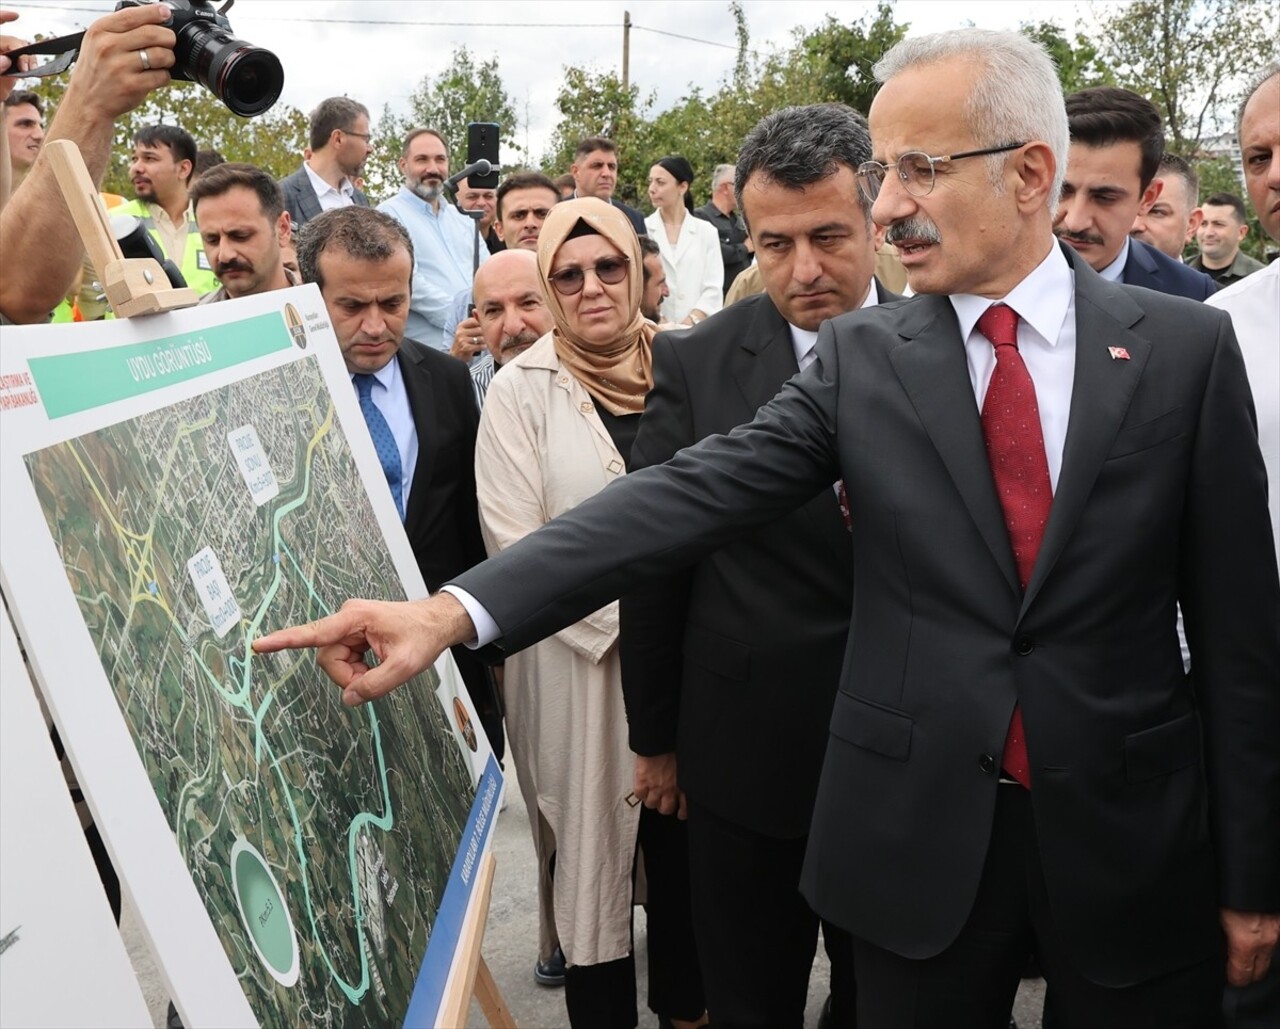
pixel 331 199
pixel 390 397
pixel 804 341
pixel 1114 272
pixel 1046 304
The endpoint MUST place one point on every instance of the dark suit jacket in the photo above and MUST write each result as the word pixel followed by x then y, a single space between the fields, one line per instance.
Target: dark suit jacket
pixel 733 250
pixel 300 198
pixel 743 651
pixel 1153 805
pixel 442 521
pixel 1148 267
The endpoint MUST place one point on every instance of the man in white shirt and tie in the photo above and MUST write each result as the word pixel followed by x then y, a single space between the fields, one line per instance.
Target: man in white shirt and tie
pixel 417 402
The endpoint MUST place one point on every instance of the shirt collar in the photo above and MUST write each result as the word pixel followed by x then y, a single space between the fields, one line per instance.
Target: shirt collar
pixel 388 375
pixel 804 341
pixel 1041 299
pixel 321 187
pixel 1114 272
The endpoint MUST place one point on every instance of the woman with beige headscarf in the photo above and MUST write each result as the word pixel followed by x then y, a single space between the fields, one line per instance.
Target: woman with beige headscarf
pixel 557 427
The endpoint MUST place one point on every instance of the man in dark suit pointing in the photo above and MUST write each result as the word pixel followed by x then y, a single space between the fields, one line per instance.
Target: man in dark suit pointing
pixel 1040 465
pixel 742 651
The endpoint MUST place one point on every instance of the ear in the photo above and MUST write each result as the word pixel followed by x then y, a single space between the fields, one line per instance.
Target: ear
pixel 1244 231
pixel 1034 169
pixel 1197 216
pixel 1150 195
pixel 403 163
pixel 877 235
pixel 284 228
pixel 185 169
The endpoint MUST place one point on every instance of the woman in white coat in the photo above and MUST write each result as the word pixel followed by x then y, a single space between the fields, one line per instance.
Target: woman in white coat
pixel 557 427
pixel 690 246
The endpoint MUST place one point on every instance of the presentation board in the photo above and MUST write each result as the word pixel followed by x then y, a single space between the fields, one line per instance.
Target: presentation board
pixel 175 486
pixel 62 961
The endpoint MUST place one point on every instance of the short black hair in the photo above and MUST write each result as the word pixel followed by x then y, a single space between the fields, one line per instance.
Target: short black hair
pixel 798 146
pixel 648 247
pixel 175 137
pixel 1172 164
pixel 24 96
pixel 227 176
pixel 1232 201
pixel 593 143
pixel 364 233
pixel 1105 115
pixel 525 180
pixel 206 159
pixel 335 112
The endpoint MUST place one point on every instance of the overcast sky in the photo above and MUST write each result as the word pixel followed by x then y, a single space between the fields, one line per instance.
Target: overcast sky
pixel 378 50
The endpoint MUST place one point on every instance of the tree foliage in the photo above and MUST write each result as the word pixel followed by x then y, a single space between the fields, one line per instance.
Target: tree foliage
pixel 1079 64
pixel 1190 58
pixel 468 91
pixel 274 141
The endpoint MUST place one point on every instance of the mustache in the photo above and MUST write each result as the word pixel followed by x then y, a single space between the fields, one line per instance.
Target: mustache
pixel 232 266
pixel 1080 237
pixel 920 229
pixel 523 339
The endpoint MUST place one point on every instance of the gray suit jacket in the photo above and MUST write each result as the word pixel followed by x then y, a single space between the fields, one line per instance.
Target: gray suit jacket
pixel 1153 804
pixel 300 198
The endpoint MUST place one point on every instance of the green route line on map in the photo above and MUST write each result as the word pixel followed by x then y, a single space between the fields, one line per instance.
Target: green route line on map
pixel 240 699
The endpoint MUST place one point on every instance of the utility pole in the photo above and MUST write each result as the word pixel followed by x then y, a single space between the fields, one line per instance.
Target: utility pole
pixel 626 50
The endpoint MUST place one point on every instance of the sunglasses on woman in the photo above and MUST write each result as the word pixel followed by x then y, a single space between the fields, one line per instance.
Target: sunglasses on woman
pixel 609 270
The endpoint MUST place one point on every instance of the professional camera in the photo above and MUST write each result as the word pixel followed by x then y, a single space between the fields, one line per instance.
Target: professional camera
pixel 246 78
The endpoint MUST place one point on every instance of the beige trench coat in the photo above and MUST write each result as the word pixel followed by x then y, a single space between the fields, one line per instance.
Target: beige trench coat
pixel 541 450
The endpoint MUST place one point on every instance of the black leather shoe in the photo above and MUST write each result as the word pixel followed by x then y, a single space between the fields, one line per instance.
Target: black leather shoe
pixel 551 971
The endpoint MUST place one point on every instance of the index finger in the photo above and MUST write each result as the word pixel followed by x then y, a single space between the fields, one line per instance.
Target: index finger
pixel 323 632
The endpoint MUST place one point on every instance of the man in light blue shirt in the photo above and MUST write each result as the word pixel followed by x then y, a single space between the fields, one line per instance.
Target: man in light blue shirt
pixel 444 240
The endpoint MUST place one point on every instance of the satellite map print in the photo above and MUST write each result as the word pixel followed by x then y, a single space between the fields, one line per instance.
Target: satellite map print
pixel 319 837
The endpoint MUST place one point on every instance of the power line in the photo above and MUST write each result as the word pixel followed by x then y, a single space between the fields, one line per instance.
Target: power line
pixel 431 24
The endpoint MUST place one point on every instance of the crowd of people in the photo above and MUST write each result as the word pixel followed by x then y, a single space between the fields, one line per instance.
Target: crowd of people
pixel 961 652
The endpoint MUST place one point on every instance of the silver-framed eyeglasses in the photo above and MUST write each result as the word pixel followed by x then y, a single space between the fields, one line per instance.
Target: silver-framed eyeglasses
pixel 916 170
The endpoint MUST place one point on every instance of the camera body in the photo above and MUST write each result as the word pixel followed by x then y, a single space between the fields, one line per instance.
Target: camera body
pixel 248 79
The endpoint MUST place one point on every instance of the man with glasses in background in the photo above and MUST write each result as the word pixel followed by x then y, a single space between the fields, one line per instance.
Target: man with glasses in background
pixel 339 143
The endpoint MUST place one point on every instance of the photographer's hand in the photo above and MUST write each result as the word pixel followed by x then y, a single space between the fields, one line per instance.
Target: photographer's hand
pixel 110 77
pixel 7 43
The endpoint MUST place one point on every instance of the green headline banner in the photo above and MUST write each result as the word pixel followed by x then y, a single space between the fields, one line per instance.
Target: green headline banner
pixel 71 383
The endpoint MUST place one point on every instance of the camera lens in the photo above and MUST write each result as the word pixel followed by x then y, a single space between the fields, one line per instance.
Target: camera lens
pixel 250 81
pixel 246 78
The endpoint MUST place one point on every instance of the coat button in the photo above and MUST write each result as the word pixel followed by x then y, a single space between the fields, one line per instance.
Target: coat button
pixel 1023 646
pixel 987 763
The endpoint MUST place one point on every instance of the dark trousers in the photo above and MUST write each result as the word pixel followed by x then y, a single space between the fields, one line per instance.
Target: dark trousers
pixel 971 985
pixel 756 934
pixel 604 996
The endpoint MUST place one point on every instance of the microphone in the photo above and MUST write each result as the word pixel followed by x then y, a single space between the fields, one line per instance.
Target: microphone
pixel 481 167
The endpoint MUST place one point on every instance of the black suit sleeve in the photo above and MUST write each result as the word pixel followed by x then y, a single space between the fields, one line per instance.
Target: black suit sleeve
pixel 651 644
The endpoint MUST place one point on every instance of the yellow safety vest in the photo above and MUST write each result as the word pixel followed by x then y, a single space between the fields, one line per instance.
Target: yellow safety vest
pixel 194 265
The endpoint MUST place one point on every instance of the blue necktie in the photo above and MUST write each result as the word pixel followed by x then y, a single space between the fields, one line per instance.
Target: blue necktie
pixel 383 442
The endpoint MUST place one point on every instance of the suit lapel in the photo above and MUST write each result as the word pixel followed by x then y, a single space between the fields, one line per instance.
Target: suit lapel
pixel 766 359
pixel 419 387
pixel 935 374
pixel 1100 398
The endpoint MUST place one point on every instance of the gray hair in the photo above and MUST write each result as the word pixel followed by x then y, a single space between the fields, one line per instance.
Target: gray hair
pixel 1266 75
pixel 722 172
pixel 360 232
pixel 1017 96
pixel 798 146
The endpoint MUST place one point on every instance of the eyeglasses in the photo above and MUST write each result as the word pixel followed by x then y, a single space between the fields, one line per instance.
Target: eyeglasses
pixel 915 170
pixel 609 270
pixel 359 135
pixel 521 213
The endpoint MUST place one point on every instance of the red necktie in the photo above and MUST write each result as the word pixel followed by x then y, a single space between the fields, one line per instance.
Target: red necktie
pixel 1015 448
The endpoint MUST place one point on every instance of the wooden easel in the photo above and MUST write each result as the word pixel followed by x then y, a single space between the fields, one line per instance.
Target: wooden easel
pixel 133 285
pixel 474 977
